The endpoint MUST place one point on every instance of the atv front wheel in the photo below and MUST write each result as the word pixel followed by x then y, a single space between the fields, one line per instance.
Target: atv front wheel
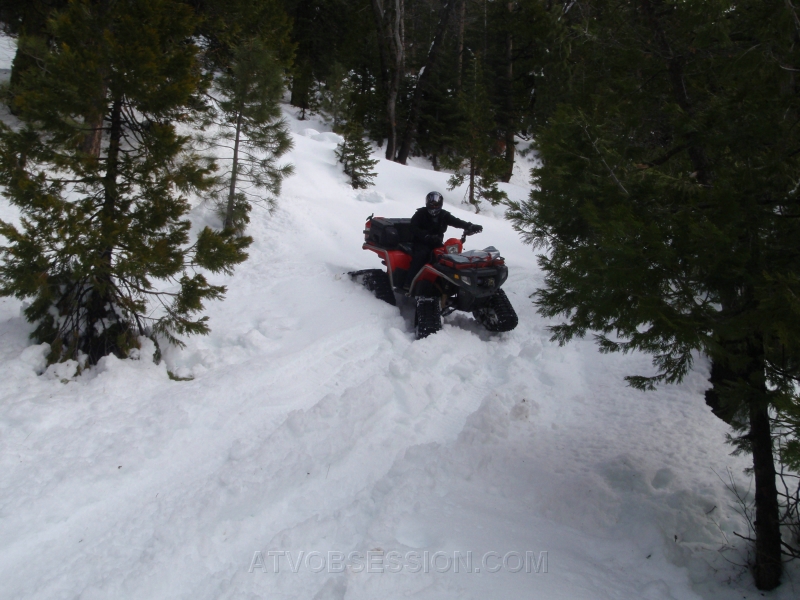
pixel 497 314
pixel 428 317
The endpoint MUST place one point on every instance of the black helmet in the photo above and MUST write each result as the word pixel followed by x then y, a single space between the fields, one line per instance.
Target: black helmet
pixel 434 202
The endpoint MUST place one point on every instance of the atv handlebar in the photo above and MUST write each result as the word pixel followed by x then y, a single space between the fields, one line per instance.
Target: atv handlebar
pixel 465 234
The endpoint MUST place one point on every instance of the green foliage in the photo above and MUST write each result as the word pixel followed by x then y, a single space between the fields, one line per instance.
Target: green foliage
pixel 440 117
pixel 26 19
pixel 219 251
pixel 100 176
pixel 474 158
pixel 331 36
pixel 657 204
pixel 355 155
pixel 668 201
pixel 224 25
pixel 335 98
pixel 244 118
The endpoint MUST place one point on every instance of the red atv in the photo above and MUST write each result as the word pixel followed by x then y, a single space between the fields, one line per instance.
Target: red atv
pixel 455 280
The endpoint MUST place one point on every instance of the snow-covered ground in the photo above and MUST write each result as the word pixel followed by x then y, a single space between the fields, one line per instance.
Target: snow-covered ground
pixel 317 436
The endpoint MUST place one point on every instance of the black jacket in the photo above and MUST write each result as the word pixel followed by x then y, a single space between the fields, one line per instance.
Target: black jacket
pixel 423 225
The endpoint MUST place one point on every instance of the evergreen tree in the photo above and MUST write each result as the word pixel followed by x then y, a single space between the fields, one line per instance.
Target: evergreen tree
pixel 327 32
pixel 474 143
pixel 335 98
pixel 225 25
pixel 439 119
pixel 668 200
pixel 422 80
pixel 27 20
pixel 100 229
pixel 354 153
pixel 246 114
pixel 302 89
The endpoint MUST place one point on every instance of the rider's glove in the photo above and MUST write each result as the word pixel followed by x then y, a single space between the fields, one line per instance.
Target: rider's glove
pixel 472 228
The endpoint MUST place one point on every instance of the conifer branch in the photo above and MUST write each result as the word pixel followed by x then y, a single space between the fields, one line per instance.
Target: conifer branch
pixel 610 170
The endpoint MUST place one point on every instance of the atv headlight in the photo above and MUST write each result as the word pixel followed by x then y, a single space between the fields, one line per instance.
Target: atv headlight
pixel 466 280
pixel 502 275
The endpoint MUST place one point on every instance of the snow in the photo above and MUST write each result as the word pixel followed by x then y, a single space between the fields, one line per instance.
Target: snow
pixel 8 48
pixel 310 421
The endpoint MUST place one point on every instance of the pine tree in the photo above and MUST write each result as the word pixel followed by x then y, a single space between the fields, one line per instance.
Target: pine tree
pixel 102 249
pixel 354 154
pixel 224 25
pixel 668 202
pixel 327 32
pixel 336 97
pixel 474 143
pixel 246 116
pixel 27 20
pixel 302 89
pixel 440 120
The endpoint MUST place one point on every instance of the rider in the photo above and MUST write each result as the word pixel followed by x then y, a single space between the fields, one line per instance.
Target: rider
pixel 428 226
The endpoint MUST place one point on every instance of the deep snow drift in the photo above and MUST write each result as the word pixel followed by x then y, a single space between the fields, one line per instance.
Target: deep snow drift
pixel 315 424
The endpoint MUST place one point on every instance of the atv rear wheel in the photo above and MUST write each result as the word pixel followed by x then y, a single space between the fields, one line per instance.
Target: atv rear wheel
pixel 497 314
pixel 428 316
pixel 377 282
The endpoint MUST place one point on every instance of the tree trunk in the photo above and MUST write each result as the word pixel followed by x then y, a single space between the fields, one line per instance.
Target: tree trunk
pixel 425 75
pixel 391 114
pixel 110 189
pixel 472 181
pixel 96 343
pixel 511 122
pixel 234 171
pixel 739 392
pixel 93 141
pixel 389 24
pixel 462 16
pixel 768 566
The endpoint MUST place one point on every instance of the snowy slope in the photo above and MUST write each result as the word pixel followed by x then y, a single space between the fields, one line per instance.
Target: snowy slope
pixel 314 423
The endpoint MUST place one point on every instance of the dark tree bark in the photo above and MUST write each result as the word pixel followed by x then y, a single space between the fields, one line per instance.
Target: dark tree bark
pixel 416 101
pixel 95 121
pixel 739 397
pixel 511 121
pixel 389 22
pixel 234 172
pixel 472 181
pixel 97 346
pixel 768 566
pixel 462 17
pixel 94 138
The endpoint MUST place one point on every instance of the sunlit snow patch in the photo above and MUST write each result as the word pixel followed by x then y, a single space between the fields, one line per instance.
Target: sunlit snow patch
pixel 371 196
pixel 328 136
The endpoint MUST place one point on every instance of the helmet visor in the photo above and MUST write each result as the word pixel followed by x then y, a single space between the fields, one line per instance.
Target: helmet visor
pixel 434 202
